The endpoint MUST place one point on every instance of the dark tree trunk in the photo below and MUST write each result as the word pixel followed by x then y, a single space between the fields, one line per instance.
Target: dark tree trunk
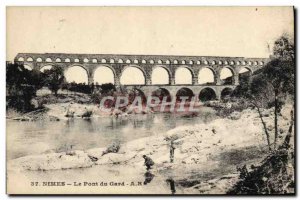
pixel 286 143
pixel 265 126
pixel 276 118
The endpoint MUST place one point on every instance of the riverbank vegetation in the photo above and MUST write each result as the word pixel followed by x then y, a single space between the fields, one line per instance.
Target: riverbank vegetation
pixel 271 87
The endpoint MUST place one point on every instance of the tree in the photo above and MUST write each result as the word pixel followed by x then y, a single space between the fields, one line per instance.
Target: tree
pixel 260 96
pixel 272 83
pixel 107 87
pixel 279 77
pixel 54 79
pixel 284 48
pixel 280 74
pixel 269 88
pixel 21 85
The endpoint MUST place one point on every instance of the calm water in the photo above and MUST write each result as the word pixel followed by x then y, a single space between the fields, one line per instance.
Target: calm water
pixel 27 138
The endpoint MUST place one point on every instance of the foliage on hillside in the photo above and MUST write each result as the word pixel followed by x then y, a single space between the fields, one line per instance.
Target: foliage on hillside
pixel 269 88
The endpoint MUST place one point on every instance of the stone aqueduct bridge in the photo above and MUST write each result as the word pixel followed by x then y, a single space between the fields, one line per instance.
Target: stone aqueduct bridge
pixel 146 63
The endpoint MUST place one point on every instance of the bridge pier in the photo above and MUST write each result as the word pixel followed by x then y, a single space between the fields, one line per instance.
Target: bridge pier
pixel 148 81
pixel 117 81
pixel 172 81
pixel 218 79
pixel 236 79
pixel 195 80
pixel 90 80
pixel 218 94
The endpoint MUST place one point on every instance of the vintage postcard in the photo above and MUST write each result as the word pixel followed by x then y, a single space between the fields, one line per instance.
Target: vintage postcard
pixel 150 100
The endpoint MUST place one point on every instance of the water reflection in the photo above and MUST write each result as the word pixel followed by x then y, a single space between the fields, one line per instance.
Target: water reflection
pixel 27 138
pixel 172 185
pixel 148 177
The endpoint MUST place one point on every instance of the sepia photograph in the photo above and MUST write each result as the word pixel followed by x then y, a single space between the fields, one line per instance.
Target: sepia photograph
pixel 157 100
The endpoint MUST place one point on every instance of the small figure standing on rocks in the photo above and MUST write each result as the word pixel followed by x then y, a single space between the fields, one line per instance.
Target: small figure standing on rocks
pixel 148 162
pixel 214 131
pixel 172 150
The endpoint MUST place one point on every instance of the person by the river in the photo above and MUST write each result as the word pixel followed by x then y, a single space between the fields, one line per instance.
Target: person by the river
pixel 172 185
pixel 148 162
pixel 69 112
pixel 172 150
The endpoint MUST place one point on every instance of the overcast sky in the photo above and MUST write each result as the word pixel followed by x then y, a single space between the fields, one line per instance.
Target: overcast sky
pixel 202 31
pixel 207 31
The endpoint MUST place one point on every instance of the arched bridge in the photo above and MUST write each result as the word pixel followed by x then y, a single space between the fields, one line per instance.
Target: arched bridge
pixel 147 65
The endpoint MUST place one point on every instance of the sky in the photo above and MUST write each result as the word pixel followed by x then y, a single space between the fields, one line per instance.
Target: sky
pixel 200 31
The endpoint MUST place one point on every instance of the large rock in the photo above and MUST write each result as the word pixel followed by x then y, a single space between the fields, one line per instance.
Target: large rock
pixel 53 161
pixel 96 152
pixel 116 158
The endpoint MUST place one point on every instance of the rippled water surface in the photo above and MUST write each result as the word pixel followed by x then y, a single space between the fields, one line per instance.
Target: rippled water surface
pixel 26 138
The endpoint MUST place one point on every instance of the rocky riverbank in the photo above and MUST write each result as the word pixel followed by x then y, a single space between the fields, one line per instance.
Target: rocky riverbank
pixel 206 155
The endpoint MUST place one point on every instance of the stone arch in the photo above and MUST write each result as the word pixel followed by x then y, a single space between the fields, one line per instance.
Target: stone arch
pixel 133 78
pixel 94 60
pixel 184 92
pixel 226 93
pixel 207 75
pixel 46 67
pixel 58 60
pixel 104 73
pixel 76 73
pixel 175 62
pixel 185 78
pixel 39 60
pixel 162 93
pixel 207 94
pixel 85 60
pixel 245 68
pixel 161 75
pixel 21 59
pixel 132 93
pixel 244 74
pixel 135 61
pixel 112 61
pixel 128 61
pixel 67 60
pixel 48 60
pixel 144 61
pixel 76 60
pixel 120 61
pixel 227 74
pixel 28 67
pixel 103 60
pixel 29 59
pixel 168 62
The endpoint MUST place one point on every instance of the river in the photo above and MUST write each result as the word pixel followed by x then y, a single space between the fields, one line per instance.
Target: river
pixel 37 137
